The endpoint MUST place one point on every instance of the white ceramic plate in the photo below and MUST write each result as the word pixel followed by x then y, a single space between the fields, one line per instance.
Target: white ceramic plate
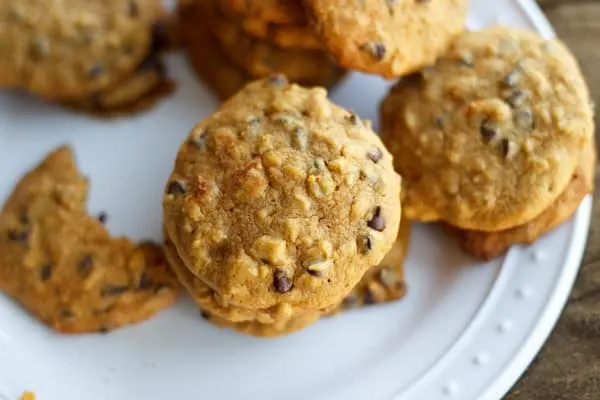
pixel 465 330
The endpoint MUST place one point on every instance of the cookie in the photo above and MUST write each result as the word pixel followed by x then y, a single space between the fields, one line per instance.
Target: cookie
pixel 284 36
pixel 258 329
pixel 262 59
pixel 63 266
pixel 490 136
pixel 220 74
pixel 140 92
pixel 273 11
pixel 388 38
pixel 487 245
pixel 277 193
pixel 66 50
pixel 385 282
pixel 211 302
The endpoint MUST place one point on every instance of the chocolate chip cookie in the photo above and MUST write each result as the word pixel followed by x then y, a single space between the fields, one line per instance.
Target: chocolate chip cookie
pixel 282 197
pixel 69 49
pixel 487 245
pixel 490 136
pixel 63 266
pixel 275 11
pixel 389 38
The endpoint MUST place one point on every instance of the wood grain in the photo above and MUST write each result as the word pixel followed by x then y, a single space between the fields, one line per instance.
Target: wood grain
pixel 569 365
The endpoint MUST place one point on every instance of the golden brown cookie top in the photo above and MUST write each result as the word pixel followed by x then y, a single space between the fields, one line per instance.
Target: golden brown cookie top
pixel 384 37
pixel 282 197
pixel 488 137
pixel 275 11
pixel 63 266
pixel 66 49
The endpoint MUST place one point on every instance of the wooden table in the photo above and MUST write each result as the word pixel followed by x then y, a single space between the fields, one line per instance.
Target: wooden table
pixel 569 366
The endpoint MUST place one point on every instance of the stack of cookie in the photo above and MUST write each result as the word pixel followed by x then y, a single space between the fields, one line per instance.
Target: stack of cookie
pixel 277 207
pixel 233 42
pixel 101 55
pixel 495 140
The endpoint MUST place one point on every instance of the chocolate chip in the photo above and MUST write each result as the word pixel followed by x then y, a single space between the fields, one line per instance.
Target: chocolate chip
pixel 278 80
pixel 160 38
pixel 96 70
pixel 488 130
pixel 350 301
pixel 353 118
pixel 365 244
pixel 204 314
pixel 508 148
pixel 24 218
pixel 516 98
pixel 113 290
pixel 144 282
pixel 18 236
pixel 45 272
pixel 39 48
pixel 102 217
pixel 176 187
pixel 315 273
pixel 151 63
pixel 375 154
pixel 281 282
pixel 439 121
pixel 103 330
pixel 524 120
pixel 377 222
pixel 85 265
pixel 133 10
pixel 512 79
pixel 66 313
pixel 199 140
pixel 377 50
pixel 369 297
pixel 300 138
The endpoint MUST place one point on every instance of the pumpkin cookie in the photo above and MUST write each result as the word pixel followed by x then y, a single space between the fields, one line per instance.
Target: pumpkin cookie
pixel 274 11
pixel 389 38
pixel 62 265
pixel 284 36
pixel 277 193
pixel 138 93
pixel 69 49
pixel 487 245
pixel 384 282
pixel 490 136
pixel 261 58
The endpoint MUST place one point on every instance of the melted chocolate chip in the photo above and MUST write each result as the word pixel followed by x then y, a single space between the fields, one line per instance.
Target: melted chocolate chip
pixel 103 330
pixel 204 314
pixel 369 297
pixel 113 290
pixel 66 313
pixel 508 148
pixel 96 70
pixel 278 80
pixel 375 154
pixel 353 118
pixel 378 221
pixel 134 9
pixel 46 272
pixel 377 50
pixel 144 282
pixel 102 217
pixel 18 236
pixel 365 244
pixel 281 282
pixel 524 120
pixel 512 79
pixel 488 130
pixel 160 38
pixel 85 265
pixel 516 98
pixel 176 187
pixel 440 120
